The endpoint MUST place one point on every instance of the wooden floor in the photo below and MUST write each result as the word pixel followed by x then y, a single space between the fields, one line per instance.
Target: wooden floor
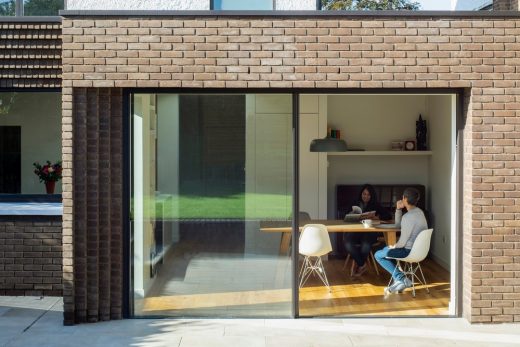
pixel 224 288
pixel 363 296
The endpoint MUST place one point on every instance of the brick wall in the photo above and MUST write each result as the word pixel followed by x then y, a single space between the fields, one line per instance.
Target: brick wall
pixel 92 227
pixel 30 55
pixel 30 256
pixel 479 55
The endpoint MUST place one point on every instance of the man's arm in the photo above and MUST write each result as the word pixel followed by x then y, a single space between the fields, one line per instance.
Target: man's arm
pixel 398 216
pixel 405 232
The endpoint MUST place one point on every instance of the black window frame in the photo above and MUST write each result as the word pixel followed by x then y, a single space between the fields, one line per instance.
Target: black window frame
pixel 128 286
pixel 19 9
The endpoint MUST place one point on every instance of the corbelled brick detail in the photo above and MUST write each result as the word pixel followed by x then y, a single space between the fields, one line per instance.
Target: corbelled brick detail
pixel 30 55
pixel 30 256
pixel 479 56
pixel 93 227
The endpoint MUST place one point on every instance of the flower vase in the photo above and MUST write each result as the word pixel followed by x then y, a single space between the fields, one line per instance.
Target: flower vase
pixel 49 186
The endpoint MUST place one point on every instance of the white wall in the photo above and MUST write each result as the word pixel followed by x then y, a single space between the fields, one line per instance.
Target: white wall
pixel 144 190
pixel 441 134
pixel 288 5
pixel 173 5
pixel 137 5
pixel 371 122
pixel 168 160
pixel 39 115
pixel 313 166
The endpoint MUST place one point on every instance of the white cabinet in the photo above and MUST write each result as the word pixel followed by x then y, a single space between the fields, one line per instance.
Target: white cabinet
pixel 313 166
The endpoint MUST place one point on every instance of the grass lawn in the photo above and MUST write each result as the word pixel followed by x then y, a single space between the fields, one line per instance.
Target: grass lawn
pixel 236 206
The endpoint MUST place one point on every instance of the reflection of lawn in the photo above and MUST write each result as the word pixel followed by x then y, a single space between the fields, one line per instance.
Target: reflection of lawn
pixel 259 206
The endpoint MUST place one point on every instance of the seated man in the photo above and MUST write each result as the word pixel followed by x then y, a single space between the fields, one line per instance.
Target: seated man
pixel 412 223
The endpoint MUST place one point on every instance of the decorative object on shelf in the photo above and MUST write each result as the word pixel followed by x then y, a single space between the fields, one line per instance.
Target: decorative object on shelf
pixel 333 133
pixel 49 174
pixel 397 145
pixel 420 131
pixel 409 145
pixel 331 143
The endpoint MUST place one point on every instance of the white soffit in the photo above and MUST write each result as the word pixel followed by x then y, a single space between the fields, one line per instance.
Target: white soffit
pixel 297 5
pixel 171 5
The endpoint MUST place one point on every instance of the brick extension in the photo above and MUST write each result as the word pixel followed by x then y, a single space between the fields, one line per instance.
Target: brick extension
pixel 30 256
pixel 479 55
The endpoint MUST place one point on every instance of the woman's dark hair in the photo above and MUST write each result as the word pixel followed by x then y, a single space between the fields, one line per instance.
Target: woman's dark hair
pixel 373 203
pixel 412 195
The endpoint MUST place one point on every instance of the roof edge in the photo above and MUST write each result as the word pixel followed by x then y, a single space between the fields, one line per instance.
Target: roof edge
pixel 31 19
pixel 355 14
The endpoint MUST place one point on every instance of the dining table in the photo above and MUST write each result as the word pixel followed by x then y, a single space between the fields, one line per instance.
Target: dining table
pixel 333 226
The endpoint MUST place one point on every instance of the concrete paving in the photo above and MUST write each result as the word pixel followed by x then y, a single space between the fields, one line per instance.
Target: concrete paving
pixel 34 321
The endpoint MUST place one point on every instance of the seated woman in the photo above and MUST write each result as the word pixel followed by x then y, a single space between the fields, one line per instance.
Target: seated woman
pixel 358 245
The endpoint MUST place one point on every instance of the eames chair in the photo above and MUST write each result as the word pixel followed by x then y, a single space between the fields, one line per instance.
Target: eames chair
pixel 419 251
pixel 314 243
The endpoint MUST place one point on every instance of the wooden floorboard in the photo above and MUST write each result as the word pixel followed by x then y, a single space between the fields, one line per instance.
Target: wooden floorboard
pixel 361 296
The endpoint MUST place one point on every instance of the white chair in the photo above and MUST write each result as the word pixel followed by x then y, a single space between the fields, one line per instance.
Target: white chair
pixel 419 251
pixel 314 243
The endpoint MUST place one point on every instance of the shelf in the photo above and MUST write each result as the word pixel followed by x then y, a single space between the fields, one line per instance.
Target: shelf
pixel 381 153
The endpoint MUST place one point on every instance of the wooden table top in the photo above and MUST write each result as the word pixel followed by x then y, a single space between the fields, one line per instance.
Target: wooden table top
pixel 333 226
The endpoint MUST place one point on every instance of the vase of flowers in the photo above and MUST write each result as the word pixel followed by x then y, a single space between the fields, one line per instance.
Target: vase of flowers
pixel 49 174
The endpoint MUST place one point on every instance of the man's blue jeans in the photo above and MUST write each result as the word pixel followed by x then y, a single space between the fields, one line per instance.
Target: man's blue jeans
pixel 390 264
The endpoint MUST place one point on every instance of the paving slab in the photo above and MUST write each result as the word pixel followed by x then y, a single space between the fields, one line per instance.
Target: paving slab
pixel 38 322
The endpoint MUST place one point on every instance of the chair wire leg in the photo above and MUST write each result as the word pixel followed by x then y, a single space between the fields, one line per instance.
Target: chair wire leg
pixel 393 273
pixel 321 273
pixel 424 280
pixel 303 267
pixel 410 270
pixel 306 271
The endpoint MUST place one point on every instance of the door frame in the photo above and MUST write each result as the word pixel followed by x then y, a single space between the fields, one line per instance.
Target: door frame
pixel 457 181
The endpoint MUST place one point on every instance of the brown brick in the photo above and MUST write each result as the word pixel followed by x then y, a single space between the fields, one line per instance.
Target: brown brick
pixel 477 54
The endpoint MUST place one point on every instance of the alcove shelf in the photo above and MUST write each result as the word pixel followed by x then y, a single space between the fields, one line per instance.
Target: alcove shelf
pixel 380 153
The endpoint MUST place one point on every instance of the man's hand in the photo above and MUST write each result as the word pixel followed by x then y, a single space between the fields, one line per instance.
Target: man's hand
pixel 399 204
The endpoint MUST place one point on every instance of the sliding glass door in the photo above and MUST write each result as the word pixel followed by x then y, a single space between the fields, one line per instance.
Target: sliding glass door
pixel 211 184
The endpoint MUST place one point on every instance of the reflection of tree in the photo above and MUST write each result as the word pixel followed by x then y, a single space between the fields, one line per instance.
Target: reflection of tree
pixel 42 7
pixel 7 8
pixel 7 101
pixel 373 5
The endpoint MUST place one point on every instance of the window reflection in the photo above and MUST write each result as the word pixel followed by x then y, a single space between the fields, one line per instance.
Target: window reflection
pixel 42 7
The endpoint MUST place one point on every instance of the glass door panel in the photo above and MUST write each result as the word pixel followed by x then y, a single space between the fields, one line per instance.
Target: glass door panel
pixel 211 186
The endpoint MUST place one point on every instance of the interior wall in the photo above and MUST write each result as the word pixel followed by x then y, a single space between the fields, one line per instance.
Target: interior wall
pixel 144 134
pixel 371 122
pixel 168 162
pixel 442 166
pixel 313 165
pixel 39 116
